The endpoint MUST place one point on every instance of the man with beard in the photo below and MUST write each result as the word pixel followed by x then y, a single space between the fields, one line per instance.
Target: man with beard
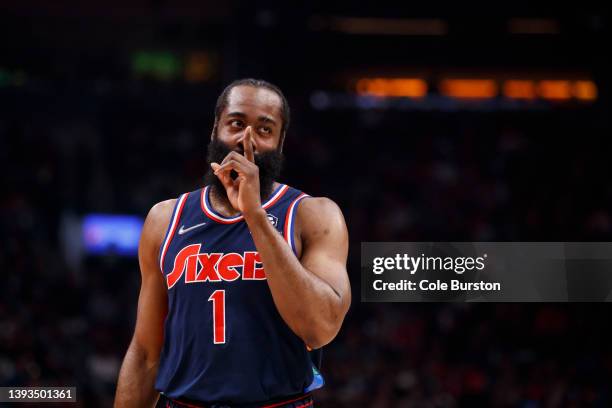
pixel 240 279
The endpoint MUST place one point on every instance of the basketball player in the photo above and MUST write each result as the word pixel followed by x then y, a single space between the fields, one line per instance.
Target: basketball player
pixel 240 279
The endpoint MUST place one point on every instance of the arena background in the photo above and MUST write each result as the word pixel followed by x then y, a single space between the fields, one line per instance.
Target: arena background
pixel 407 117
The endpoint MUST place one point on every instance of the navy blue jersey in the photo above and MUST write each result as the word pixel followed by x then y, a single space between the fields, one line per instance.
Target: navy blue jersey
pixel 224 339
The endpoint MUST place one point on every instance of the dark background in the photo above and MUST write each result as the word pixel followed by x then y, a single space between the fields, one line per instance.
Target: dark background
pixel 101 112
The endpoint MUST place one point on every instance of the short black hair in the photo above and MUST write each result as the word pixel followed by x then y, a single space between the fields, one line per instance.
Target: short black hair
pixel 255 83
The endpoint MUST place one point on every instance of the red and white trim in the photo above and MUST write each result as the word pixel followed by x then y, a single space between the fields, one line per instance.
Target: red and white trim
pixel 210 213
pixel 172 229
pixel 290 219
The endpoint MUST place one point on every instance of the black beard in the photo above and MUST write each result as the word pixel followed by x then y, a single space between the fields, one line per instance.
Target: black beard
pixel 270 165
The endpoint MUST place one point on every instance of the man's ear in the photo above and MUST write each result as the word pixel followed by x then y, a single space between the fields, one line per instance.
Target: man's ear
pixel 214 130
pixel 281 142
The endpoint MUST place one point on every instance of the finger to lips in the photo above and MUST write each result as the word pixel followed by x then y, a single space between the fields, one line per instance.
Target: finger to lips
pixel 248 144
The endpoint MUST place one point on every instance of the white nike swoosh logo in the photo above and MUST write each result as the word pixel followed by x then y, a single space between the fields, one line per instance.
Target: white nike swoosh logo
pixel 183 230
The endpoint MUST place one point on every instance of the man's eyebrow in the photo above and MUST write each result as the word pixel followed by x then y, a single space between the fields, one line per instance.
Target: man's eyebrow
pixel 261 118
pixel 239 114
pixel 266 119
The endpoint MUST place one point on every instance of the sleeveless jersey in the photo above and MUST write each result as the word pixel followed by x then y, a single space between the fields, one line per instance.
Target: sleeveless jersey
pixel 224 339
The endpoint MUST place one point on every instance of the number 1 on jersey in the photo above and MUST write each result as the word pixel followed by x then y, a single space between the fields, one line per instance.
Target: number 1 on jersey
pixel 218 300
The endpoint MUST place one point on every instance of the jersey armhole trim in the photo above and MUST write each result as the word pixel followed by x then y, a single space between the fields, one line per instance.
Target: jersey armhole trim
pixel 290 221
pixel 176 216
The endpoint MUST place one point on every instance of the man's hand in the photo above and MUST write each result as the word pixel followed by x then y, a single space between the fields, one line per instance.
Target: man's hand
pixel 244 191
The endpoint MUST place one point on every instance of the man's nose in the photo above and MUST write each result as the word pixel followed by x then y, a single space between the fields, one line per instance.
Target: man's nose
pixel 242 139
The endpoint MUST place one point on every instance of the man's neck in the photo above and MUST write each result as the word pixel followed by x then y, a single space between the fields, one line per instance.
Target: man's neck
pixel 221 204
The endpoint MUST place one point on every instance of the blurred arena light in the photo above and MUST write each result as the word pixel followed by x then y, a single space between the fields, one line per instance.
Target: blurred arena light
pixel 584 90
pixel 489 93
pixel 199 67
pixel 479 88
pixel 533 26
pixel 381 26
pixel 555 89
pixel 519 89
pixel 12 77
pixel 161 65
pixel 392 87
pixel 108 234
pixel 468 88
pixel 4 77
pixel 550 89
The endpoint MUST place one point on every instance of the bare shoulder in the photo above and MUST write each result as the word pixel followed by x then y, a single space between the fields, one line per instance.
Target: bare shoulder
pixel 162 211
pixel 320 216
pixel 157 221
pixel 320 207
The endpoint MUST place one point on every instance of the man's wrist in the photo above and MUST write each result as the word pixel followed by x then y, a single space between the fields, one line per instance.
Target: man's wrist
pixel 255 215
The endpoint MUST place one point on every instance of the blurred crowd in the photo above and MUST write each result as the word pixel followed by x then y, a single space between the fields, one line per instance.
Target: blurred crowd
pixel 397 175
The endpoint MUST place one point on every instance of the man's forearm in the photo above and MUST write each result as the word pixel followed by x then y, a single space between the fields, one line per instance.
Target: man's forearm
pixel 135 387
pixel 308 304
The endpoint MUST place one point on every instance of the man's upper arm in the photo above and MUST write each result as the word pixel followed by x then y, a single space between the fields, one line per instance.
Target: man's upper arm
pixel 153 299
pixel 324 239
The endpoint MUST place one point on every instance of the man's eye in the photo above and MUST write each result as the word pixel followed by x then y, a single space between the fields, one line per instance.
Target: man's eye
pixel 265 129
pixel 236 123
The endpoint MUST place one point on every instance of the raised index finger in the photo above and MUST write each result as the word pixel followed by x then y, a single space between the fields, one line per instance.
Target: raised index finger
pixel 248 145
